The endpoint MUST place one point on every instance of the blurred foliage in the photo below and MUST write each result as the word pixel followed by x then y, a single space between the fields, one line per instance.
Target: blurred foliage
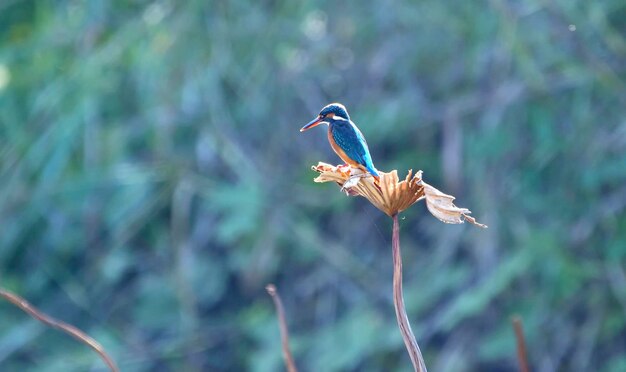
pixel 154 180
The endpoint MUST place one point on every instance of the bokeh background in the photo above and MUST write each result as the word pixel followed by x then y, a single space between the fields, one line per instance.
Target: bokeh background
pixel 153 181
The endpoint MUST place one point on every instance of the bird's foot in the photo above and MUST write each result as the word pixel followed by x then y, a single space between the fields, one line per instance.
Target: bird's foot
pixel 344 168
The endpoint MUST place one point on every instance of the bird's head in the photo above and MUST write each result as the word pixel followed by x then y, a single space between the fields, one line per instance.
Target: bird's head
pixel 334 111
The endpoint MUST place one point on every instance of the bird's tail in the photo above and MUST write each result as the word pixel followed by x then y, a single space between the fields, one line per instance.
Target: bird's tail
pixel 374 172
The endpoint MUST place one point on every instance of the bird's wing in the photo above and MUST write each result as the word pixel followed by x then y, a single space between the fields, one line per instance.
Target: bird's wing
pixel 352 142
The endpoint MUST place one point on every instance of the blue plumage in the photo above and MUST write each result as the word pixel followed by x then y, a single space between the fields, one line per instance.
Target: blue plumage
pixel 350 139
pixel 344 137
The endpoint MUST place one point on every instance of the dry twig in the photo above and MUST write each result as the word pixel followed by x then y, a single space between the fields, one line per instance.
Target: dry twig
pixel 521 344
pixel 60 325
pixel 398 301
pixel 282 323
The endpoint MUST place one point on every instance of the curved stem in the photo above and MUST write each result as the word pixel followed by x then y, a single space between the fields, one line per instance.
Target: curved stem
pixel 398 301
pixel 54 323
pixel 521 344
pixel 282 324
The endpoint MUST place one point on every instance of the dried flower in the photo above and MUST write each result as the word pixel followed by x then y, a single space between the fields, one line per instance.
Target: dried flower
pixel 393 196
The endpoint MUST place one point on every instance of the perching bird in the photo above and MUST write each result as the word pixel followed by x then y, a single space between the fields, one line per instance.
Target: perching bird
pixel 345 138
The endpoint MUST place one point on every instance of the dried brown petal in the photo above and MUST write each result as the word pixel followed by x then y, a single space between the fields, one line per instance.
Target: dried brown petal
pixel 391 196
pixel 440 205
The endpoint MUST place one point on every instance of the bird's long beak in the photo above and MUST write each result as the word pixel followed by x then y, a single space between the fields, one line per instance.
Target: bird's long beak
pixel 315 122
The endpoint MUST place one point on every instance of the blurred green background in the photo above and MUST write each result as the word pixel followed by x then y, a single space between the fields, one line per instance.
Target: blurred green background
pixel 154 181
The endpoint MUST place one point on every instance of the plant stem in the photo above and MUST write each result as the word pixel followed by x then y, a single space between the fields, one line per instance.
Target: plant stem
pixel 398 301
pixel 282 324
pixel 521 344
pixel 54 323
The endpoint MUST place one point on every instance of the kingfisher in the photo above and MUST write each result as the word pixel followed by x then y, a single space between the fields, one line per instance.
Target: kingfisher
pixel 345 138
